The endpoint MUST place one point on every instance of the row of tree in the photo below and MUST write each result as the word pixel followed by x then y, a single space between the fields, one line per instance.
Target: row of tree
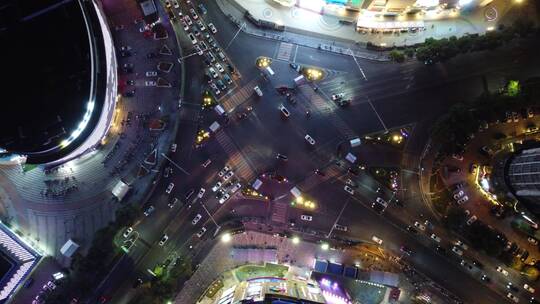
pixel 438 50
pixel 86 270
pixel 454 129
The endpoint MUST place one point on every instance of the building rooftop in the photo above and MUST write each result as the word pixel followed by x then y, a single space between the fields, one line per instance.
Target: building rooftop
pixel 48 75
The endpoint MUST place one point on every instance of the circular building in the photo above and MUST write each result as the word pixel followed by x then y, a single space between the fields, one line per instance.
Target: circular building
pixel 59 80
pixel 523 175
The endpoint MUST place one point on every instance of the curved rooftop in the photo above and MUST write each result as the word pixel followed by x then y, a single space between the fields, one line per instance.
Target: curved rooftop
pixel 523 174
pixel 50 97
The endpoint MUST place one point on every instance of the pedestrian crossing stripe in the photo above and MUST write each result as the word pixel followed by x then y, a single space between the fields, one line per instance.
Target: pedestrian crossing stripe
pixel 284 51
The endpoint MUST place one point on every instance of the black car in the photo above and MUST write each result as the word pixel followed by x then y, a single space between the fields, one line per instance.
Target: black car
pixel 485 278
pixel 125 54
pixel 129 93
pixel 189 193
pixel 130 82
pixel 319 172
pixel 137 282
pixel 411 229
pixel 478 264
pixel 378 208
pixel 282 157
pixel 406 250
pixel 221 85
pixel 512 287
pixel 440 249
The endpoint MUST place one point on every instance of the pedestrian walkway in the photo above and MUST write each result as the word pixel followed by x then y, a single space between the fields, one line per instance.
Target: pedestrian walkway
pixel 336 32
pixel 237 161
pixel 239 96
pixel 279 212
pixel 314 180
pixel 284 51
pixel 328 110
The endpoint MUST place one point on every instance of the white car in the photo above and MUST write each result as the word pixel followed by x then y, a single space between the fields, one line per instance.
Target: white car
pixel 201 193
pixel 307 218
pixel 435 238
pixel 220 68
pixel 198 50
pixel 528 288
pixel 216 187
pixel 173 203
pixel 419 226
pixel 174 147
pixel 163 240
pixel 382 202
pixel 309 139
pixel 151 74
pixel 215 88
pixel 471 220
pixel 284 111
pixel 175 4
pixel 201 25
pixel 212 28
pixel 458 194
pixel 512 297
pixel 236 187
pixel 223 171
pixel 169 188
pixel 128 231
pixel 213 72
pixel 196 219
pixel 201 232
pixel 532 240
pixel 224 198
pixel 502 270
pixel 463 200
pixel 258 91
pixel 228 175
pixel 192 38
pixel 376 240
pixel 188 20
pixel 150 83
pixel 337 96
pixel 457 251
pixel 167 4
pixel 349 190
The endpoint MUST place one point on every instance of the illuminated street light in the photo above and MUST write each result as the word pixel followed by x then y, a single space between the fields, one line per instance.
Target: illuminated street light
pixel 325 246
pixel 226 237
pixel 263 62
pixel 296 240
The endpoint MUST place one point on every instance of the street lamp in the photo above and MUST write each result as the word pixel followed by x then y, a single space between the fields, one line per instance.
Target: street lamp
pixel 226 237
pixel 296 240
pixel 325 246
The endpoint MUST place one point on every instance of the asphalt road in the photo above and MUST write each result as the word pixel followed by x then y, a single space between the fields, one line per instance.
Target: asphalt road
pixel 393 95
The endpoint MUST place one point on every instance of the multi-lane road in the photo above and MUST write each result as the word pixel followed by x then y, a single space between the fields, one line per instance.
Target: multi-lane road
pixel 393 95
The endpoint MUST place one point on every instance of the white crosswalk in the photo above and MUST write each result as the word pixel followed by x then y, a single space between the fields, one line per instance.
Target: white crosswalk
pixel 327 109
pixel 239 96
pixel 285 51
pixel 236 160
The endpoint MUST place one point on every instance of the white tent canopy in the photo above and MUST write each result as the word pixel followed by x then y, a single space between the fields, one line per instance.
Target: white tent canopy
pixel 69 248
pixel 120 190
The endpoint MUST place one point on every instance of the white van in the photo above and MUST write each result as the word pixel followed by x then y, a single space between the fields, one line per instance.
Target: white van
pixel 355 142
pixel 258 91
pixel 219 109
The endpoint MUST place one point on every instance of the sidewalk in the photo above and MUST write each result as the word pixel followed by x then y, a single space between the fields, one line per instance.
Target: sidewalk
pixel 324 41
pixel 337 33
